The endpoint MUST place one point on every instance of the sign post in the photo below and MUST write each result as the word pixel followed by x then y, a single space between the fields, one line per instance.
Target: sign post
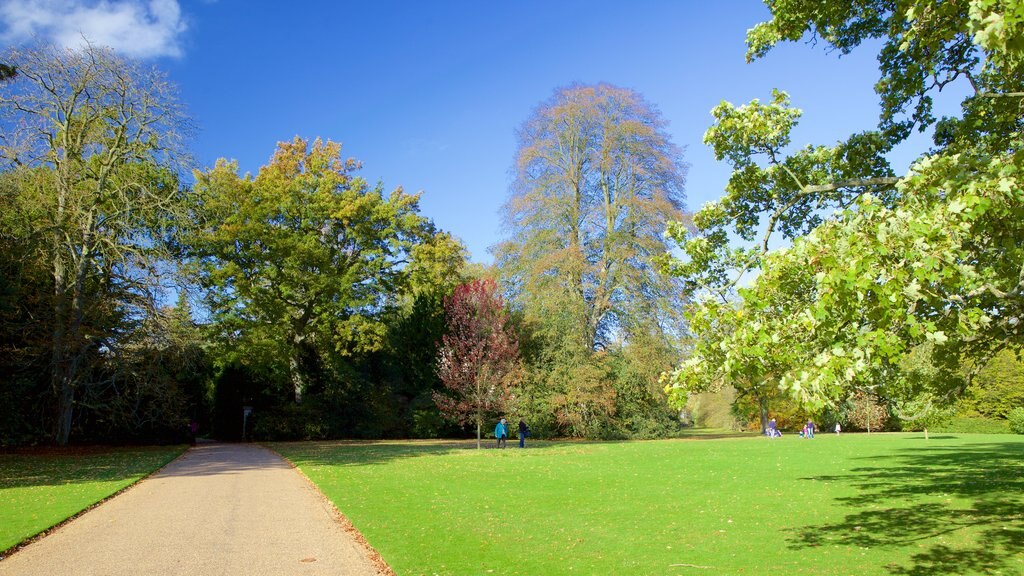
pixel 246 410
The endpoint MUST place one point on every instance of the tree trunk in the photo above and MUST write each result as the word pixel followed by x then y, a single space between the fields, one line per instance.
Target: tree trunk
pixel 68 350
pixel 62 386
pixel 477 434
pixel 762 409
pixel 65 407
pixel 300 325
pixel 295 371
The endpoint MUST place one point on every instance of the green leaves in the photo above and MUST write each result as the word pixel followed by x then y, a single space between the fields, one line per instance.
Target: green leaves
pixel 307 255
pixel 875 271
pixel 755 128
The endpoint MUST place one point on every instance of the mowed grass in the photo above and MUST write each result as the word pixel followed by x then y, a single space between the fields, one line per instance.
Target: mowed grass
pixel 853 504
pixel 41 489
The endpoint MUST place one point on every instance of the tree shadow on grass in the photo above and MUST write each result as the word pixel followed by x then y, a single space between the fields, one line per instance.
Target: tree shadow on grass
pixel 346 453
pixel 94 464
pixel 370 452
pixel 924 495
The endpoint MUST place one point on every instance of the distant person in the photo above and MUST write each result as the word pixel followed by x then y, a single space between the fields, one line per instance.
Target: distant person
pixel 193 428
pixel 838 428
pixel 501 432
pixel 810 428
pixel 772 431
pixel 524 431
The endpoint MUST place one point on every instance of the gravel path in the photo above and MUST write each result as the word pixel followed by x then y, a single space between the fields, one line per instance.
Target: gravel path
pixel 219 509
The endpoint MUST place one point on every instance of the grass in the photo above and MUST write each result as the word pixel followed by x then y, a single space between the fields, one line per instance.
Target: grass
pixel 41 489
pixel 854 504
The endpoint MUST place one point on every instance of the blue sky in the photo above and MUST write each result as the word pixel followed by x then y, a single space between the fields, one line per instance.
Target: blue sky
pixel 428 95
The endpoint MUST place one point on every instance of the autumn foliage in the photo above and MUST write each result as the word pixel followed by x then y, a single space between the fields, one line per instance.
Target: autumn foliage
pixel 479 356
pixel 867 412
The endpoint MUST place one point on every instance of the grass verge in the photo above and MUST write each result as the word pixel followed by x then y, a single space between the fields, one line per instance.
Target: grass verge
pixel 44 487
pixel 853 504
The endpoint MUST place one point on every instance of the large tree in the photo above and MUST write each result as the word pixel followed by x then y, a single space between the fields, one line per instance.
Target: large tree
pixel 302 259
pixel 597 178
pixel 478 360
pixel 879 265
pixel 93 141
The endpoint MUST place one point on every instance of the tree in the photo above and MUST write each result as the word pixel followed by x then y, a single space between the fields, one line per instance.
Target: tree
pixel 597 178
pixel 878 265
pixel 95 140
pixel 866 411
pixel 406 367
pixel 25 304
pixel 302 260
pixel 153 382
pixel 479 356
pixel 997 389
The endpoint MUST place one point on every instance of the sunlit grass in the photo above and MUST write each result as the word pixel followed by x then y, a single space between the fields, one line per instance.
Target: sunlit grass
pixel 855 504
pixel 42 489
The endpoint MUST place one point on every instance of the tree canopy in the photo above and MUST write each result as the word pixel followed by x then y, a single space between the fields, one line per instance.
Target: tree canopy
pixel 823 281
pixel 478 360
pixel 878 265
pixel 93 146
pixel 303 259
pixel 597 178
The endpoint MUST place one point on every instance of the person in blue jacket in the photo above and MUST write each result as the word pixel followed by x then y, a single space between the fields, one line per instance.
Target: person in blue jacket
pixel 501 432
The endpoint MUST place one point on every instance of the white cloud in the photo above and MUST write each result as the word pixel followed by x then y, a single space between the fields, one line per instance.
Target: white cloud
pixel 139 28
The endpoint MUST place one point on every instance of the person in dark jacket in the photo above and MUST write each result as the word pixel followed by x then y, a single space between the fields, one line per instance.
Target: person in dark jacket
pixel 524 431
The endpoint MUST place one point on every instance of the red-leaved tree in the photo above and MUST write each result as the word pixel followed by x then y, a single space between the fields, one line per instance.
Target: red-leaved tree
pixel 479 356
pixel 867 411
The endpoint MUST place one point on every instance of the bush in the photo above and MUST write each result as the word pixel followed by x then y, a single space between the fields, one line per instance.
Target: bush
pixel 290 422
pixel 714 409
pixel 1016 420
pixel 978 425
pixel 937 420
pixel 427 423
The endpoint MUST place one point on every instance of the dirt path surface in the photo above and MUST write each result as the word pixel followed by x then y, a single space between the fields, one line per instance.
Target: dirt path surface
pixel 219 509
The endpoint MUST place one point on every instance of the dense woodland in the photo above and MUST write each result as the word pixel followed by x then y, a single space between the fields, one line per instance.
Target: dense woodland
pixel 140 293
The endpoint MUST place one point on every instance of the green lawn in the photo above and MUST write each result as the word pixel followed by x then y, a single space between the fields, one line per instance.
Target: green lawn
pixel 855 504
pixel 42 489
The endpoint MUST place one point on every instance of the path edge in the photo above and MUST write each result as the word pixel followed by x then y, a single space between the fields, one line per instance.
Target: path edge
pixel 379 563
pixel 5 554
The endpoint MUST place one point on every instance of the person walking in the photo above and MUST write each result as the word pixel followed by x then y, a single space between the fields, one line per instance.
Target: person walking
pixel 810 428
pixel 838 428
pixel 524 431
pixel 501 432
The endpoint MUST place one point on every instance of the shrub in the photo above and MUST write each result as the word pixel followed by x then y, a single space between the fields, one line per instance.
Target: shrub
pixel 979 425
pixel 936 420
pixel 427 423
pixel 1016 420
pixel 290 422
